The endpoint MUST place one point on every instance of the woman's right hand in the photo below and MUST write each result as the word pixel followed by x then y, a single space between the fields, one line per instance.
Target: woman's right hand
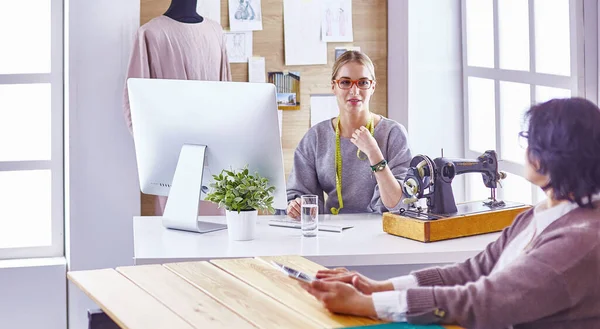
pixel 293 209
pixel 328 273
pixel 362 283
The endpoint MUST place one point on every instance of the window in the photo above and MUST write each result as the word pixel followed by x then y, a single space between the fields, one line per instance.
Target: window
pixel 515 53
pixel 31 129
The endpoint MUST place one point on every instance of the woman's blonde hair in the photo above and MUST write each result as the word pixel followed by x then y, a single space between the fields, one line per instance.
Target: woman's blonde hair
pixel 353 56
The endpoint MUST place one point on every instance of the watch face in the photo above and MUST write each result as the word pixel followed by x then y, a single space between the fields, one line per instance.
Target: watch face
pixel 379 166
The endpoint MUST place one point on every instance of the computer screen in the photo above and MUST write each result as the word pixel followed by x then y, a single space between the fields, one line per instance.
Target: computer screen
pixel 235 121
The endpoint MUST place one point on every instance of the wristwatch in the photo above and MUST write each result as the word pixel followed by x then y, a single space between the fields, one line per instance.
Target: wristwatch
pixel 379 166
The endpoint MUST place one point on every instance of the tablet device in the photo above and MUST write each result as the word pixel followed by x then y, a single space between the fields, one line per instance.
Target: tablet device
pixel 294 274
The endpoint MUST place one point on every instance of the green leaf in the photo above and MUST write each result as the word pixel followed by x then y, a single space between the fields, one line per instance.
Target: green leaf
pixel 238 190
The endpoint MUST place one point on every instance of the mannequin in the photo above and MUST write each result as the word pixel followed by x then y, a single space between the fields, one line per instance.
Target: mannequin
pixel 184 11
pixel 194 50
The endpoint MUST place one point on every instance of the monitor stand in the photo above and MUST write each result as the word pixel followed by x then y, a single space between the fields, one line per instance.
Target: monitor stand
pixel 181 211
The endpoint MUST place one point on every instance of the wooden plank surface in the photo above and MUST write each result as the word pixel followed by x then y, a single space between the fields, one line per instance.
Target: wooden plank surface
pixel 126 303
pixel 274 283
pixel 302 264
pixel 297 262
pixel 184 299
pixel 369 19
pixel 248 302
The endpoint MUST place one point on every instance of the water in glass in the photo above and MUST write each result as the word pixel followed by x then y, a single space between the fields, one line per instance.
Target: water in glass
pixel 310 219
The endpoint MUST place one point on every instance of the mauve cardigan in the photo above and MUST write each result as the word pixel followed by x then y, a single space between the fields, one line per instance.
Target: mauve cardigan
pixel 554 284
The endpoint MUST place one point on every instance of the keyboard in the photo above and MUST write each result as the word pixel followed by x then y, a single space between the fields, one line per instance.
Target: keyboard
pixel 291 223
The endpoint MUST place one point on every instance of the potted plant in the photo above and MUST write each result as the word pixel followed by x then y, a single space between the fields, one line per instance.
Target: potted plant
pixel 242 195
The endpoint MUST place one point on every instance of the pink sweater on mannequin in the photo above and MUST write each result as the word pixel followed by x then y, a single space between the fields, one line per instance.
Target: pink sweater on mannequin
pixel 167 49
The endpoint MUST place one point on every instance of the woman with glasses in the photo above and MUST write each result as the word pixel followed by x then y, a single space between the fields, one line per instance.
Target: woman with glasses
pixel 542 272
pixel 358 159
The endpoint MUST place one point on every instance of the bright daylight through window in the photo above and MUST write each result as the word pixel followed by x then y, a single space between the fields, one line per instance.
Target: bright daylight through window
pixel 515 53
pixel 31 129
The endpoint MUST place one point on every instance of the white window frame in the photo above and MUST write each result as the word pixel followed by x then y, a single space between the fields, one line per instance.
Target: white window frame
pixel 56 162
pixel 577 82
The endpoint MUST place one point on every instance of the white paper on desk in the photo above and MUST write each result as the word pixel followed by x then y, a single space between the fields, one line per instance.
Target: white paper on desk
pixel 322 107
pixel 245 15
pixel 256 69
pixel 302 33
pixel 239 46
pixel 336 21
pixel 210 9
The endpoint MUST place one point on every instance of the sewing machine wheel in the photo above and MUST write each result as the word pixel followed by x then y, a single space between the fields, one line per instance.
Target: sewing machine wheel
pixel 418 178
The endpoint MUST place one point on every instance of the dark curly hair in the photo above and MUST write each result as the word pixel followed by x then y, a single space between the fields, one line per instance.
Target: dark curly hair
pixel 564 138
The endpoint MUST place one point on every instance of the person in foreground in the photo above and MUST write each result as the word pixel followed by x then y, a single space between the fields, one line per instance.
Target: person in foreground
pixel 359 158
pixel 542 272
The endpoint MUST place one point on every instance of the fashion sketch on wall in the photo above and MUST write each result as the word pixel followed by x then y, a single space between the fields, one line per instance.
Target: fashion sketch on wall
pixel 239 46
pixel 336 23
pixel 245 15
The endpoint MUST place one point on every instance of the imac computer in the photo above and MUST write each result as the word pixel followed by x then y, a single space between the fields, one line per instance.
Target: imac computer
pixel 185 131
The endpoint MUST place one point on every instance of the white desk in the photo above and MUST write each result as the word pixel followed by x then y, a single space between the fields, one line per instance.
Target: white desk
pixel 363 245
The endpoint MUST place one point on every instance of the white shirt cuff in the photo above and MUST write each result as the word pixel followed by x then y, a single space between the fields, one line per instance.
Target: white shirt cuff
pixel 404 282
pixel 390 305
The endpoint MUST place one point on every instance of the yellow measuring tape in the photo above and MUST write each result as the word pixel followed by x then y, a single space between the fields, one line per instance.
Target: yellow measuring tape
pixel 338 162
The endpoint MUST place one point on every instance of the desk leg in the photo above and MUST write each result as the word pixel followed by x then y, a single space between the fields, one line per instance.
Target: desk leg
pixel 97 319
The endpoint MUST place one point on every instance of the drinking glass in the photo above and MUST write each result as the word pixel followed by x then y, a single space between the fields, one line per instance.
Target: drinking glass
pixel 309 218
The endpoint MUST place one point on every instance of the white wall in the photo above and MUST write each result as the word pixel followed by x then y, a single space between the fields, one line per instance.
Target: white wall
pixel 430 77
pixel 101 185
pixel 33 294
pixel 398 61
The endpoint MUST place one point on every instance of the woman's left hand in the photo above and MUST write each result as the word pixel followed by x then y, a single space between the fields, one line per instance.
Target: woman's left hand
pixel 365 142
pixel 339 297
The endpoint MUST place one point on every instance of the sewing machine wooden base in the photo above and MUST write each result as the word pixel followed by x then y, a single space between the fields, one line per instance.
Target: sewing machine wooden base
pixel 472 218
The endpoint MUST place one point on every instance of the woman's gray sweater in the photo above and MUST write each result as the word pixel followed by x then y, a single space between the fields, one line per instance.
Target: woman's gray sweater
pixel 314 167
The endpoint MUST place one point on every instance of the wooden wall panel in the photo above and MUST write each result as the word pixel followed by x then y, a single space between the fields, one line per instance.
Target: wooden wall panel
pixel 369 18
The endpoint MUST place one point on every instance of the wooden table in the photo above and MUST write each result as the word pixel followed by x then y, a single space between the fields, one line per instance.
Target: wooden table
pixel 232 293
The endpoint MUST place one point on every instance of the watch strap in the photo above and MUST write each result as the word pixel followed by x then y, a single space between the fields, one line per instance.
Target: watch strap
pixel 379 165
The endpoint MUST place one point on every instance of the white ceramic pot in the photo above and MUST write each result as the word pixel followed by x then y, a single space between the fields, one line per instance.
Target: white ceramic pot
pixel 241 226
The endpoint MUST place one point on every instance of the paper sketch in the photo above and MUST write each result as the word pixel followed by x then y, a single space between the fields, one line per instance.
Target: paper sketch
pixel 302 33
pixel 245 15
pixel 210 9
pixel 239 46
pixel 336 23
pixel 256 69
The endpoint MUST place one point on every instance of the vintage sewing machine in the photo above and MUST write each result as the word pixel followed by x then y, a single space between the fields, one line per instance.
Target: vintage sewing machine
pixel 442 218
